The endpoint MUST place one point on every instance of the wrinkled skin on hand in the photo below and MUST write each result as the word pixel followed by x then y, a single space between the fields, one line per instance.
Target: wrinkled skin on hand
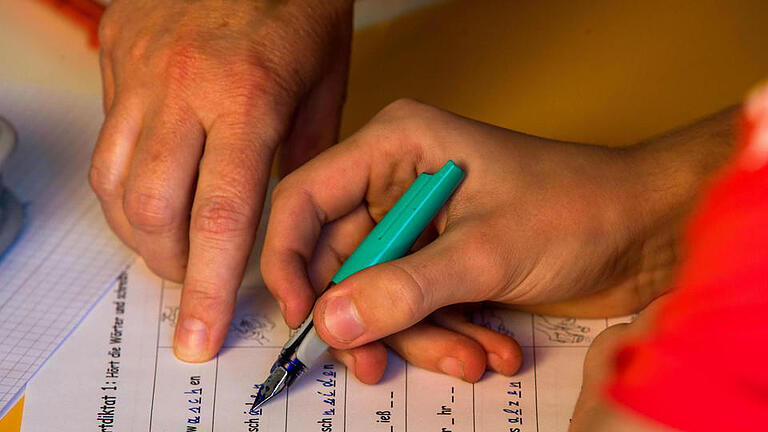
pixel 198 95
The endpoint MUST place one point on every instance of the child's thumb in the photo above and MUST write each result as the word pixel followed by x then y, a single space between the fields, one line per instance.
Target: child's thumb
pixel 387 298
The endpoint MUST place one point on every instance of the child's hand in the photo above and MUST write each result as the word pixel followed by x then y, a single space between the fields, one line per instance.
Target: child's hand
pixel 534 222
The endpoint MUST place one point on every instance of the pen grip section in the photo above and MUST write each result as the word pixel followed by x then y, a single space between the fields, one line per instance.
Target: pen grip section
pixel 311 348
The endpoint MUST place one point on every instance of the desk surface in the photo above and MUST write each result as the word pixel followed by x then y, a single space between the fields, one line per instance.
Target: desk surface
pixel 603 72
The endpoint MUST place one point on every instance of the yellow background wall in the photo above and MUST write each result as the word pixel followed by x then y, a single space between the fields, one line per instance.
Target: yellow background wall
pixel 605 72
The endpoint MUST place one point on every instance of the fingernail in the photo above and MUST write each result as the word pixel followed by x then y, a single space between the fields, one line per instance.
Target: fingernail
pixel 191 339
pixel 496 363
pixel 341 319
pixel 451 366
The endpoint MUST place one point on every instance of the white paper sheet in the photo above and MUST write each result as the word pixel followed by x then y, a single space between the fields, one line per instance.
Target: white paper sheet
pixel 65 257
pixel 147 389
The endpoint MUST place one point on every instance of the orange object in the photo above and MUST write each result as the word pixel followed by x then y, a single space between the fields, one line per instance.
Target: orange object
pixel 86 13
pixel 12 421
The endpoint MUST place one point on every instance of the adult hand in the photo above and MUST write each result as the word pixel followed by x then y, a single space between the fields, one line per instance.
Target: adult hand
pixel 197 97
pixel 534 222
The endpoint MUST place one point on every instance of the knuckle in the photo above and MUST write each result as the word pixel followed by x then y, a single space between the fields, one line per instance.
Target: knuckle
pixel 170 59
pixel 276 68
pixel 222 215
pixel 402 107
pixel 149 210
pixel 190 68
pixel 257 80
pixel 402 129
pixel 408 116
pixel 104 182
pixel 177 62
pixel 183 54
pixel 138 47
pixel 206 296
pixel 294 196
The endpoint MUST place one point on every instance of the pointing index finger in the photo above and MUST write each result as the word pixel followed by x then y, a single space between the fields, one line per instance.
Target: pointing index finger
pixel 230 191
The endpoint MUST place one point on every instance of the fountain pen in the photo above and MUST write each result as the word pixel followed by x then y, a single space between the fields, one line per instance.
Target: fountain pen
pixel 390 239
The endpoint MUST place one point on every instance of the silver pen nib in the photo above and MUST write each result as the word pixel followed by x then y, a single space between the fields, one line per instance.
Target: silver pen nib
pixel 286 368
pixel 275 383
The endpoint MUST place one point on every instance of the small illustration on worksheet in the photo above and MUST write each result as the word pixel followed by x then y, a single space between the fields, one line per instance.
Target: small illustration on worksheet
pixel 562 330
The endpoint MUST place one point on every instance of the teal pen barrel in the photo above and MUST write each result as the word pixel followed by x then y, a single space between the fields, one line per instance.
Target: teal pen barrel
pixel 394 235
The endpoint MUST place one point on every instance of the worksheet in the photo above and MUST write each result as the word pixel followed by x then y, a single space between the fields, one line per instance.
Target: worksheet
pixel 117 372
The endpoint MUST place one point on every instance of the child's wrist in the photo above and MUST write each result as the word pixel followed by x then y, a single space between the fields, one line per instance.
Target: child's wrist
pixel 670 171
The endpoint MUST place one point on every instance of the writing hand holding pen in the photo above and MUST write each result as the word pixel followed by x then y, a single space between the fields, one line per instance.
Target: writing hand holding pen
pixel 392 237
pixel 542 225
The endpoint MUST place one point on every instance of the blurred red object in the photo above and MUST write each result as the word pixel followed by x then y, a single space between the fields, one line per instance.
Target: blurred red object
pixel 86 13
pixel 702 367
